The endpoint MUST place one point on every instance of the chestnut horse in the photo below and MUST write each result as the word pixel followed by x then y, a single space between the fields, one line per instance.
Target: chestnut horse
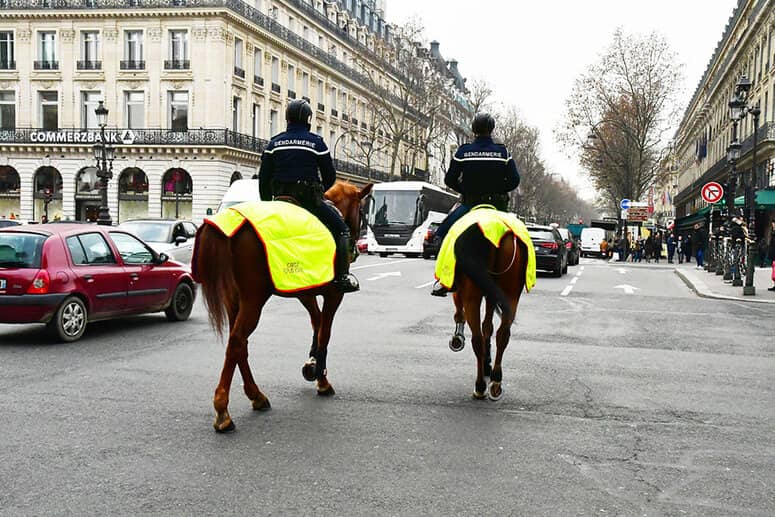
pixel 236 284
pixel 498 275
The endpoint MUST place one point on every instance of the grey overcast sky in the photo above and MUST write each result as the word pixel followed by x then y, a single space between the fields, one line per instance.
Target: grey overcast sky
pixel 531 52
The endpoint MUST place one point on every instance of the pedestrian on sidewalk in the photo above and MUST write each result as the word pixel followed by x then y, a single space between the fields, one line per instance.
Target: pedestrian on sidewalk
pixel 679 248
pixel 670 248
pixel 699 243
pixel 657 247
pixel 771 253
pixel 688 245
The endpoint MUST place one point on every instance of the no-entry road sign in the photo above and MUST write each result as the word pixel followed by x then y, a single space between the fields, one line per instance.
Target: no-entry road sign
pixel 712 192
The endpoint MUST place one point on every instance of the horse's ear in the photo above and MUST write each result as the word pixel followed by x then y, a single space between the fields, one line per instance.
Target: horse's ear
pixel 365 191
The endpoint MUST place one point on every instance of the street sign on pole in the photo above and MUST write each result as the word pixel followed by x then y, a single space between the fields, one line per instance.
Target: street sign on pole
pixel 712 192
pixel 625 204
pixel 638 213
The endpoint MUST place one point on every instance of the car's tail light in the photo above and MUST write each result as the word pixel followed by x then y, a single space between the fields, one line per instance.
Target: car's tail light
pixel 569 245
pixel 428 235
pixel 550 245
pixel 40 283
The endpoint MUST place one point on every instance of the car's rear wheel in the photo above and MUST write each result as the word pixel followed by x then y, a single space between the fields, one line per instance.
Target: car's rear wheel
pixel 181 304
pixel 558 270
pixel 69 321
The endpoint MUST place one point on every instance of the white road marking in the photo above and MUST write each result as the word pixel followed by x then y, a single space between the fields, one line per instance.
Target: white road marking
pixel 622 271
pixel 581 268
pixel 574 279
pixel 566 291
pixel 628 289
pixel 384 275
pixel 579 273
pixel 391 263
pixel 426 284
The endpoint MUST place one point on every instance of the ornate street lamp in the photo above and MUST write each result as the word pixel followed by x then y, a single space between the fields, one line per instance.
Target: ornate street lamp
pixel 104 154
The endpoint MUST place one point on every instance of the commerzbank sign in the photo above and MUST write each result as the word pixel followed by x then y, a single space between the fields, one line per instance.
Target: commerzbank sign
pixel 121 137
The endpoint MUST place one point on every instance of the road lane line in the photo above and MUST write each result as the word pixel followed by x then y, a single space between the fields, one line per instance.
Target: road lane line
pixel 566 291
pixel 578 274
pixel 581 268
pixel 574 279
pixel 426 284
pixel 383 264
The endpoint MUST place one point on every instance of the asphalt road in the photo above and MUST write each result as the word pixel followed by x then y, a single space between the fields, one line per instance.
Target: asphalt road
pixel 625 395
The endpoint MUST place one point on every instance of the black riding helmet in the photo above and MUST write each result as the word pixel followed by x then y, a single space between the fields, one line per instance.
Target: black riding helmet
pixel 483 124
pixel 298 111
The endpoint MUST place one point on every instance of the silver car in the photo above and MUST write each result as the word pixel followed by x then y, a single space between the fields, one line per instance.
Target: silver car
pixel 173 237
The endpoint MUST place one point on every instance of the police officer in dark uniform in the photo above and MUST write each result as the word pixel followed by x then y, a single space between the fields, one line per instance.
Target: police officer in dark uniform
pixel 297 164
pixel 483 172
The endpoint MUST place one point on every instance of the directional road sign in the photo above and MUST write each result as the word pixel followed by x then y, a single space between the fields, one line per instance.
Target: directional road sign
pixel 712 192
pixel 625 204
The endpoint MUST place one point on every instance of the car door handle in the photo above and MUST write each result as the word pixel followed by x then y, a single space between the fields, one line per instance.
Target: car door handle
pixel 88 278
pixel 134 276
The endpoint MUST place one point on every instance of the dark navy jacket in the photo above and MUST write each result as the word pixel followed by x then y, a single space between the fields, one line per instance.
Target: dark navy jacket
pixel 293 156
pixel 482 167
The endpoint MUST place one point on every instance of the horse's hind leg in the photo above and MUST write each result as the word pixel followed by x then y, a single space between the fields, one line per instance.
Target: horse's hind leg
pixel 244 323
pixel 311 304
pixel 487 331
pixel 330 305
pixel 458 341
pixel 472 310
pixel 495 390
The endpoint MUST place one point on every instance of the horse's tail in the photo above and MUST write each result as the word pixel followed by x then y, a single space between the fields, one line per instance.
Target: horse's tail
pixel 472 252
pixel 210 267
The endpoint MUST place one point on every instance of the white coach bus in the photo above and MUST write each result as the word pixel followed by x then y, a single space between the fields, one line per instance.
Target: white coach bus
pixel 400 213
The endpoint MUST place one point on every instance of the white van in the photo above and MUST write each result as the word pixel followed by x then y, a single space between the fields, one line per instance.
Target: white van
pixel 239 192
pixel 590 241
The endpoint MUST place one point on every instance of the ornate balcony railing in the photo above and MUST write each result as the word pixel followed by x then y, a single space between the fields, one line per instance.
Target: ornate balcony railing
pixel 258 80
pixel 250 13
pixel 239 72
pixel 190 137
pixel 176 64
pixel 291 94
pixel 45 65
pixel 276 88
pixel 321 107
pixel 132 65
pixel 89 65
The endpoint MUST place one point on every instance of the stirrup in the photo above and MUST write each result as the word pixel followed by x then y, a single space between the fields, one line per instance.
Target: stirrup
pixel 439 290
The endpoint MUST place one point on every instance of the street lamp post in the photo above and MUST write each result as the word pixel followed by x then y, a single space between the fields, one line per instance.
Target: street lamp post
pixel 104 154
pixel 733 154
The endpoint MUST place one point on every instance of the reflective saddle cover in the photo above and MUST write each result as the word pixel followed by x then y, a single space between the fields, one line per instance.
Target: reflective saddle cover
pixel 299 248
pixel 494 225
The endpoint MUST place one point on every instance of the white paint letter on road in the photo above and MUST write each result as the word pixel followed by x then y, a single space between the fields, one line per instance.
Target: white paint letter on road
pixel 628 289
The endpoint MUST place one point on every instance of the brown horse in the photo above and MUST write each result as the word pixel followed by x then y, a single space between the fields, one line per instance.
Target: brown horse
pixel 498 275
pixel 219 260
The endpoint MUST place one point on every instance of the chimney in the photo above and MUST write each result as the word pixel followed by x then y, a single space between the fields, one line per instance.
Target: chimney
pixel 435 49
pixel 453 67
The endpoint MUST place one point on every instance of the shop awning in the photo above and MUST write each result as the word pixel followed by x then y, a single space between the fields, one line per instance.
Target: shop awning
pixel 691 220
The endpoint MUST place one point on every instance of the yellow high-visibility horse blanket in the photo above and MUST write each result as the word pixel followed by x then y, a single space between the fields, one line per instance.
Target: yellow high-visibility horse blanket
pixel 494 225
pixel 299 248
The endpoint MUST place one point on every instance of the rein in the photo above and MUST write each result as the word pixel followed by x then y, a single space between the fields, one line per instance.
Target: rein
pixel 513 258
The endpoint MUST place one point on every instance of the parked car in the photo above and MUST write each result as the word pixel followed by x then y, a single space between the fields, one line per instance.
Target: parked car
pixel 170 236
pixel 571 244
pixel 590 241
pixel 7 223
pixel 67 275
pixel 551 253
pixel 431 244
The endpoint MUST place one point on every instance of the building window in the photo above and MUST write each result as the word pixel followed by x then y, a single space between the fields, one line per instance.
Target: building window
pixel 7 61
pixel 256 120
pixel 89 101
pixel 275 70
pixel 90 43
pixel 236 108
pixel 135 109
pixel 178 50
pixel 133 51
pixel 305 33
pixel 7 110
pixel 321 94
pixel 319 130
pixel 178 111
pixel 305 84
pixel 239 70
pixel 258 58
pixel 49 110
pixel 332 98
pixel 47 59
pixel 273 122
pixel 291 82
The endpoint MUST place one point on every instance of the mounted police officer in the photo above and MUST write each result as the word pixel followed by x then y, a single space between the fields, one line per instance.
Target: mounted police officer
pixel 297 164
pixel 483 172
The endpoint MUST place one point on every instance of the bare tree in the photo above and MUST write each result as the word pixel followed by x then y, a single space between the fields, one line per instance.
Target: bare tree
pixel 626 102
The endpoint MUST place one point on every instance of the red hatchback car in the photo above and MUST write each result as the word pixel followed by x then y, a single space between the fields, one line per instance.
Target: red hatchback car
pixel 66 275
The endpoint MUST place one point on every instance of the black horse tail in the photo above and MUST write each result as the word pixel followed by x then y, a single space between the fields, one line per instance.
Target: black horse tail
pixel 472 252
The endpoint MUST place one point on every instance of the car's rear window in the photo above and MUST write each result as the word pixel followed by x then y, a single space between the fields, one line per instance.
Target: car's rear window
pixel 20 250
pixel 541 234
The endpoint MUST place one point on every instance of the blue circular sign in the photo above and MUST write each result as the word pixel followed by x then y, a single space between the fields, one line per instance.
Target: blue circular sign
pixel 625 204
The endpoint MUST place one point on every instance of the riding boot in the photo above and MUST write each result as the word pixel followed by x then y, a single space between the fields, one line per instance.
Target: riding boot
pixel 439 290
pixel 343 280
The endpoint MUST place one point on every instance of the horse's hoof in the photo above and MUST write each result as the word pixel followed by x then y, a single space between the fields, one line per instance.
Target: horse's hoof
pixel 328 391
pixel 495 391
pixel 225 427
pixel 457 343
pixel 478 395
pixel 261 404
pixel 308 370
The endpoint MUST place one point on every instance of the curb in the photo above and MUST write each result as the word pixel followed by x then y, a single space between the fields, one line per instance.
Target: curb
pixel 702 290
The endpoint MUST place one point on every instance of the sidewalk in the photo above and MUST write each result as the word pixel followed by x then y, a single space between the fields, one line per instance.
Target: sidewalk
pixel 710 285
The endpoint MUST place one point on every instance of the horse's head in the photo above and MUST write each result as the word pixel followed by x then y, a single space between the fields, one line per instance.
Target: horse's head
pixel 348 198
